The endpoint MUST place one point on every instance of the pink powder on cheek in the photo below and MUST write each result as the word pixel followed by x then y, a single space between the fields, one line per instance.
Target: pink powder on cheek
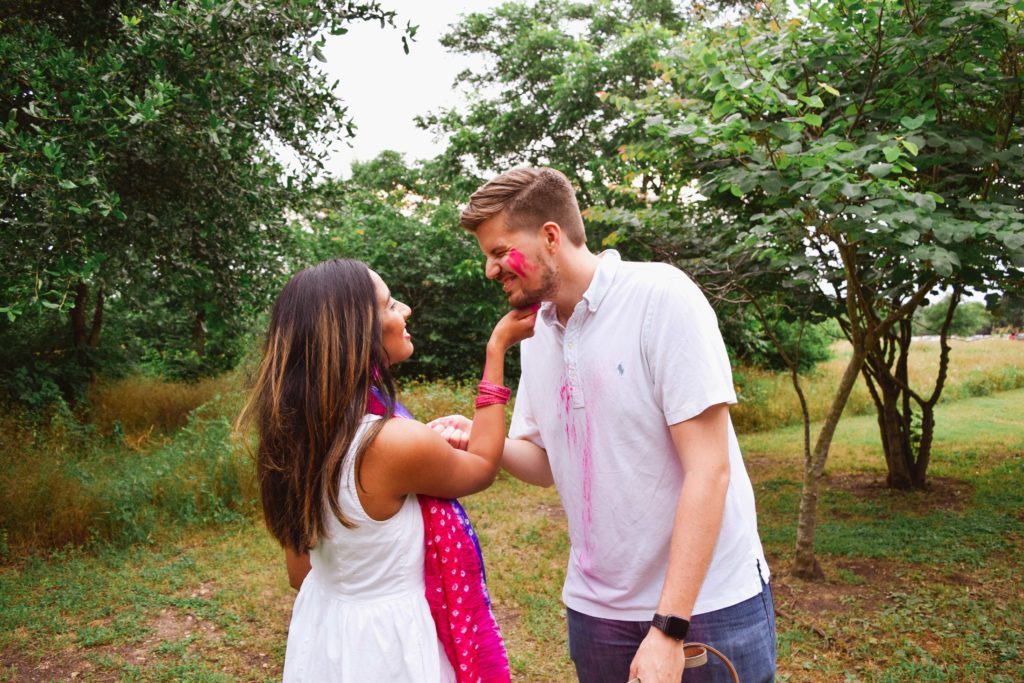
pixel 517 262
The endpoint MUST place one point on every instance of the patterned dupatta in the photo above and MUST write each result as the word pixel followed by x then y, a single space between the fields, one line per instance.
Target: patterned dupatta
pixel 456 585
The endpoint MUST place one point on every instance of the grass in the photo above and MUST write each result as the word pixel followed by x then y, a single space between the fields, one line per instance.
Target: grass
pixel 977 368
pixel 921 587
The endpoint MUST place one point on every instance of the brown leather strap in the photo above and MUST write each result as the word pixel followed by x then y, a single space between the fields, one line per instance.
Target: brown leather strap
pixel 697 655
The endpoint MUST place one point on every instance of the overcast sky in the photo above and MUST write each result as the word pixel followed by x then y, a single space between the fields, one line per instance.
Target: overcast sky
pixel 385 88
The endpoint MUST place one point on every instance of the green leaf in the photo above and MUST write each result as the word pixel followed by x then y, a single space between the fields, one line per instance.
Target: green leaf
pixel 879 170
pixel 1014 240
pixel 924 201
pixel 910 147
pixel 812 120
pixel 891 154
pixel 721 108
pixel 829 89
pixel 913 123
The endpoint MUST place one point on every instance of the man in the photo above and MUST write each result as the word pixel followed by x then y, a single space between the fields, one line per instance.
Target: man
pixel 623 405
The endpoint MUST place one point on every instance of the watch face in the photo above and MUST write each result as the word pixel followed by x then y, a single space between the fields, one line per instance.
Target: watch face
pixel 671 625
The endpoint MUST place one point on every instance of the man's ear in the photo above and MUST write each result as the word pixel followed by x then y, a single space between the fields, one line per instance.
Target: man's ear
pixel 551 233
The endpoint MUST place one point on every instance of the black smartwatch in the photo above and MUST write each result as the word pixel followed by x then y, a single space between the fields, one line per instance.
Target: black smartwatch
pixel 671 625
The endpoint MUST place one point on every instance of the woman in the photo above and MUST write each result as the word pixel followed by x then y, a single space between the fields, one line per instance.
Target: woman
pixel 339 478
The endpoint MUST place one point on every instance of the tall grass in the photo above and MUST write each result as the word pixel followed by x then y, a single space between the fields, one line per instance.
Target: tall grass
pixel 977 368
pixel 63 482
pixel 140 405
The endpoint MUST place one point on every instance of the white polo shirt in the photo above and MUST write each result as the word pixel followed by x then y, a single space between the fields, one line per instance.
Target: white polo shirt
pixel 641 351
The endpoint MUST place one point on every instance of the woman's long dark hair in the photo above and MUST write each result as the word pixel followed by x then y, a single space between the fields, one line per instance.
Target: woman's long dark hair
pixel 323 353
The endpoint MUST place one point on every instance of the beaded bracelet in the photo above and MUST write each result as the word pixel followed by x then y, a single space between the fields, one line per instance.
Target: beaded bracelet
pixel 489 394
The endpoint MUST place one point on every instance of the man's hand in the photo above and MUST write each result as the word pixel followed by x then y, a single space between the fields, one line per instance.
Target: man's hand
pixel 659 659
pixel 454 428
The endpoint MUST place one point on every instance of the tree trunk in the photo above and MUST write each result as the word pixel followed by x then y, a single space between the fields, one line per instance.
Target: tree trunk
pixel 924 450
pixel 895 439
pixel 805 564
pixel 76 316
pixel 907 446
pixel 199 332
pixel 97 319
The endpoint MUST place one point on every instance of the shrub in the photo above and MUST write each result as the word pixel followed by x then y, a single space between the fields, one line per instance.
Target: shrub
pixel 63 482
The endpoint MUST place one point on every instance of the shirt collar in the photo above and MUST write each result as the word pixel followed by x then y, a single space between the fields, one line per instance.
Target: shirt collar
pixel 607 266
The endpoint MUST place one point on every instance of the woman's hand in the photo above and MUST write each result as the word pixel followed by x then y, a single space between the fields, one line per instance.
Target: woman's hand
pixel 454 428
pixel 514 326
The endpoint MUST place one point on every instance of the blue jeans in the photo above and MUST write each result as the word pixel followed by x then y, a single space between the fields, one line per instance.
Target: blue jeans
pixel 602 649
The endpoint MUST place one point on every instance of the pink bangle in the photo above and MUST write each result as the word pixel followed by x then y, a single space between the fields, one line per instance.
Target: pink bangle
pixel 489 394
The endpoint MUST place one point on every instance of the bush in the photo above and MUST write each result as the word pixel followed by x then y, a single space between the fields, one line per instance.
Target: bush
pixel 63 482
pixel 969 318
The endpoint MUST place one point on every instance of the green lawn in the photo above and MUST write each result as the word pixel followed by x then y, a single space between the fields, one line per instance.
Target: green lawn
pixel 921 587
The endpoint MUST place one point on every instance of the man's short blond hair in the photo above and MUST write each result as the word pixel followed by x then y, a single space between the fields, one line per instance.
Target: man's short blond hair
pixel 529 197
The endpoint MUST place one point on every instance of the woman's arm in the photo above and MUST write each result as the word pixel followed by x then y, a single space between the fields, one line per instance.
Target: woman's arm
pixel 298 566
pixel 410 457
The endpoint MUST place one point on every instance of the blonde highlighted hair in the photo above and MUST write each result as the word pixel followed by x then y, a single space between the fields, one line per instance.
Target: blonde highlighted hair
pixel 322 355
pixel 527 198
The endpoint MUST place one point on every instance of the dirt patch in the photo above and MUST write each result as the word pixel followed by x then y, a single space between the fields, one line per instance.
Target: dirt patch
pixel 170 625
pixel 28 669
pixel 550 511
pixel 943 493
pixel 506 617
pixel 853 588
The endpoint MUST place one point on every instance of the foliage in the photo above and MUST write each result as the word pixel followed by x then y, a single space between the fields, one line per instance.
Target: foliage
pixel 136 141
pixel 390 216
pixel 543 100
pixel 1007 309
pixel 969 318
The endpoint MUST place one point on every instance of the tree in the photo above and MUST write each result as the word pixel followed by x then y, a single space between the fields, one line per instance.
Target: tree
pixel 542 103
pixel 970 318
pixel 137 147
pixel 396 219
pixel 855 160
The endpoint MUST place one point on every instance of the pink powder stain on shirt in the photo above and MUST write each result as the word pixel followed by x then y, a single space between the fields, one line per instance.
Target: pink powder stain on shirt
pixel 588 484
pixel 565 393
pixel 517 262
pixel 586 463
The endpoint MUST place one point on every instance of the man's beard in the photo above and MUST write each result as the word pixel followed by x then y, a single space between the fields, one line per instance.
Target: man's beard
pixel 530 297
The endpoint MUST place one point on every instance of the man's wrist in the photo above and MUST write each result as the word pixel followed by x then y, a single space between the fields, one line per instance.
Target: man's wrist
pixel 673 626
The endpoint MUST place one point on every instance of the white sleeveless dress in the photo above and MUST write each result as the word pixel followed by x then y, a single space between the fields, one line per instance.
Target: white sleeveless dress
pixel 361 615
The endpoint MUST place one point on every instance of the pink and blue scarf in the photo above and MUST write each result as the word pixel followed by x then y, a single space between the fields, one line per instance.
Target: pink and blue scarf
pixel 457 586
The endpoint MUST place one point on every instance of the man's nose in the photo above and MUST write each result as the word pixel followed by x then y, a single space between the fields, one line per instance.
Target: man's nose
pixel 491 268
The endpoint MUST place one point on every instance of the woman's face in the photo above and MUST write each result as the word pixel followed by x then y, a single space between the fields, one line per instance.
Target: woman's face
pixel 393 314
